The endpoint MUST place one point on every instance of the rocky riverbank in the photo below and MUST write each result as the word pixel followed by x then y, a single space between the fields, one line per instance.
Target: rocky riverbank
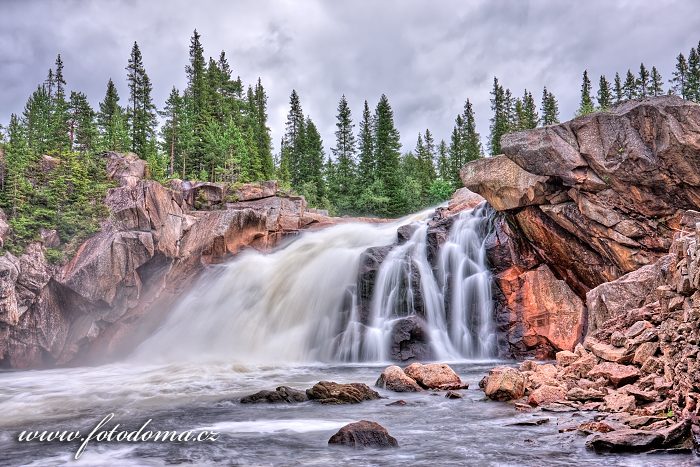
pixel 116 289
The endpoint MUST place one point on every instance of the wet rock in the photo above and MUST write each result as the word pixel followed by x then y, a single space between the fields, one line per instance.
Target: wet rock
pixel 434 376
pixel 364 434
pixel 281 394
pixel 535 422
pixel 327 392
pixel 394 379
pixel 504 384
pixel 405 232
pixel 546 395
pixel 410 340
pixel 618 375
pixel 628 440
pixel 453 395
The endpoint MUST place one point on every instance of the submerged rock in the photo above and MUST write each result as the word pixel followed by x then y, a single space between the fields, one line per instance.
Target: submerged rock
pixel 394 379
pixel 281 394
pixel 327 392
pixel 364 434
pixel 627 440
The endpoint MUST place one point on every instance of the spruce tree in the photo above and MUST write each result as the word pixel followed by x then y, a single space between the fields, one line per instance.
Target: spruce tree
pixel 630 86
pixel 82 128
pixel 141 113
pixel 586 104
pixel 529 111
pixel 262 132
pixel 59 111
pixel 501 119
pixel 387 154
pixel 196 99
pixel 679 81
pixel 312 164
pixel 642 81
pixel 365 143
pixel 171 131
pixel 655 83
pixel 619 94
pixel 17 159
pixel 444 169
pixel 604 94
pixel 344 171
pixel 37 120
pixel 293 141
pixel 550 108
pixel 111 122
pixel 693 76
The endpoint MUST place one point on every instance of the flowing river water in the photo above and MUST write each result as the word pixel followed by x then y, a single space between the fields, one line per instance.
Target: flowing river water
pixel 291 318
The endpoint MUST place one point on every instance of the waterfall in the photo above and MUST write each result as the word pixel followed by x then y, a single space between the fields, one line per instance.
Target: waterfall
pixel 301 303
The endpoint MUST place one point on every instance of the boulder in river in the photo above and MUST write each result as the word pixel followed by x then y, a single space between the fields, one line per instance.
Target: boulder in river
pixel 281 394
pixel 394 379
pixel 434 376
pixel 503 383
pixel 327 392
pixel 364 434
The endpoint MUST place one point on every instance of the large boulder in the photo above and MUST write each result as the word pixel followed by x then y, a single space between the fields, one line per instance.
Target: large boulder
pixel 364 434
pixel 126 168
pixel 503 183
pixel 280 394
pixel 410 340
pixel 327 392
pixel 434 376
pixel 504 384
pixel 394 379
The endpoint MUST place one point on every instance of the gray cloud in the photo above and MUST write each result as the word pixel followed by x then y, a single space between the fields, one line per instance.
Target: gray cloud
pixel 428 57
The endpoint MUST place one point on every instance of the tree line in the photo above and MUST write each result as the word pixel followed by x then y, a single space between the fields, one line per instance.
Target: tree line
pixel 216 130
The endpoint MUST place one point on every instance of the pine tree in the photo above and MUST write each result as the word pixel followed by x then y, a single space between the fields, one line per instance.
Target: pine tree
pixel 586 104
pixel 465 143
pixel 679 81
pixel 367 164
pixel 343 176
pixel 82 128
pixel 550 108
pixel 604 94
pixel 619 94
pixel 111 122
pixel 501 119
pixel 642 81
pixel 630 86
pixel 655 83
pixel 141 114
pixel 425 170
pixel 196 98
pixel 387 154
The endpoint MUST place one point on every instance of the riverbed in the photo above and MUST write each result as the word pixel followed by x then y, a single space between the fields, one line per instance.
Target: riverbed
pixel 430 429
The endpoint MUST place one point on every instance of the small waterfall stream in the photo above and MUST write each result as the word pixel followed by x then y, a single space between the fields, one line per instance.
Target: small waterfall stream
pixel 301 302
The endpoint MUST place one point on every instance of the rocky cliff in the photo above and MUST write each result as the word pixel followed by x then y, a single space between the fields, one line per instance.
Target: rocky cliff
pixel 581 204
pixel 121 281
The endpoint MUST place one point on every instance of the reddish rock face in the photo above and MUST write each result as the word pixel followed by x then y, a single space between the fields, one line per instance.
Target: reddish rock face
pixel 544 312
pixel 121 281
pixel 592 199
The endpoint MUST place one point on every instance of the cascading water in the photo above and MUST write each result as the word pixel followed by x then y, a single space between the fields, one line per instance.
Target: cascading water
pixel 300 303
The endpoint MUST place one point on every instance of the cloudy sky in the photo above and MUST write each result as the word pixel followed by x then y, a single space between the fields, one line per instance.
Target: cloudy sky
pixel 427 56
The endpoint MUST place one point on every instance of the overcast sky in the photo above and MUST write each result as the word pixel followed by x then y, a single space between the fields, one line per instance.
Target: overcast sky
pixel 427 56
